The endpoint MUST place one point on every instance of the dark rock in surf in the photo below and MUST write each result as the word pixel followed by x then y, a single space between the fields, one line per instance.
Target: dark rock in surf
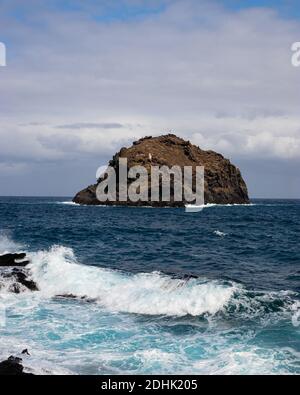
pixel 81 298
pixel 12 367
pixel 21 277
pixel 19 280
pixel 223 181
pixel 13 260
pixel 13 267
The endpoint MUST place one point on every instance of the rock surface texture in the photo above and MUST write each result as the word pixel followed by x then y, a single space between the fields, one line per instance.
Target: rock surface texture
pixel 12 367
pixel 223 181
pixel 16 259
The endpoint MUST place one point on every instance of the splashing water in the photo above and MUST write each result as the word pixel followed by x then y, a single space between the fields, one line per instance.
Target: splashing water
pixel 114 298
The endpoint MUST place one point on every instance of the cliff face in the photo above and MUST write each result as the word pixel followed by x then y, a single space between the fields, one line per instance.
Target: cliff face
pixel 223 181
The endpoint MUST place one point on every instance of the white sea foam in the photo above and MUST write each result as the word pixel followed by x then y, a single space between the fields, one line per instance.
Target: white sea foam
pixel 219 233
pixel 296 315
pixel 150 356
pixel 69 203
pixel 189 207
pixel 7 245
pixel 76 326
pixel 37 362
pixel 57 272
pixel 246 360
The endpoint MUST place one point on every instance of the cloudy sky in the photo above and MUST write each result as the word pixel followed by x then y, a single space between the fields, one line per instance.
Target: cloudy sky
pixel 85 77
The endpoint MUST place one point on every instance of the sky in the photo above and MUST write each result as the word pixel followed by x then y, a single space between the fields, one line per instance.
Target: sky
pixel 86 77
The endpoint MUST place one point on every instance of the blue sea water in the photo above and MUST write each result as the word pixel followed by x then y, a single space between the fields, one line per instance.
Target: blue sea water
pixel 157 290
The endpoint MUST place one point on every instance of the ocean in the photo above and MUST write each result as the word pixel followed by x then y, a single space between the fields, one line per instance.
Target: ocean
pixel 154 291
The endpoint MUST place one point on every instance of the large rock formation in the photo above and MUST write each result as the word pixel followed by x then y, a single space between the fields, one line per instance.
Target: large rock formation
pixel 223 181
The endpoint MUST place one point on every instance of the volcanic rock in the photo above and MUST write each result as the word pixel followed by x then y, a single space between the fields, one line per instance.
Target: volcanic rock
pixel 223 181
pixel 17 280
pixel 12 260
pixel 21 277
pixel 12 367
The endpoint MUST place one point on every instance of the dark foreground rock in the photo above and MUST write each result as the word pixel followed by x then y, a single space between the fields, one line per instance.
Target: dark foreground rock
pixel 223 181
pixel 22 278
pixel 12 367
pixel 13 260
pixel 13 268
pixel 18 280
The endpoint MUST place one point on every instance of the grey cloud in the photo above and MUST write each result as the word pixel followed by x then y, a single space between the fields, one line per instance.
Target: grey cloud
pixel 33 124
pixel 220 78
pixel 88 125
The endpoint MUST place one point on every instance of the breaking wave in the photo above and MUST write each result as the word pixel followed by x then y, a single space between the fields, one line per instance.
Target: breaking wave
pixel 57 272
pixel 224 347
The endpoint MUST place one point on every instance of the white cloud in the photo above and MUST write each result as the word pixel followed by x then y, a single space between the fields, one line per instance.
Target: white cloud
pixel 221 78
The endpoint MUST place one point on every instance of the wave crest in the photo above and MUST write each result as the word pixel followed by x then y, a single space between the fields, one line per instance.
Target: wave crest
pixel 57 272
